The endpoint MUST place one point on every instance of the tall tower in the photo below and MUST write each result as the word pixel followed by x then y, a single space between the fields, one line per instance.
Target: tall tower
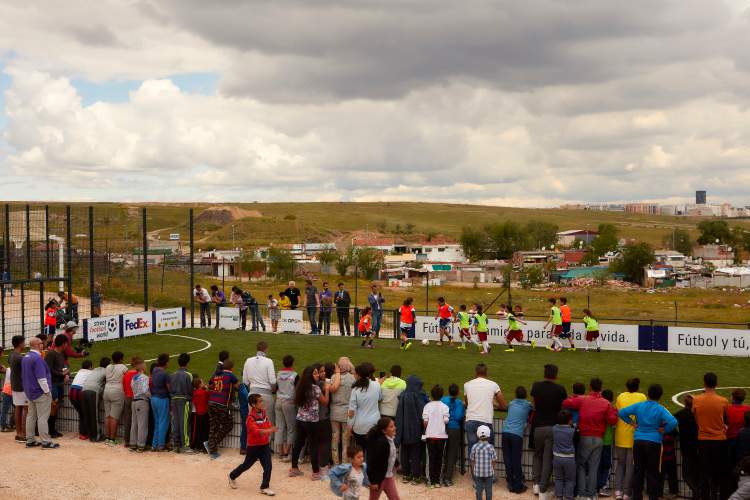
pixel 700 197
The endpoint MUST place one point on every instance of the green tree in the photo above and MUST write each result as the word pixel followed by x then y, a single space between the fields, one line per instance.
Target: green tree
pixel 473 243
pixel 280 263
pixel 343 261
pixel 369 261
pixel 679 240
pixel 327 258
pixel 250 265
pixel 505 238
pixel 635 257
pixel 409 228
pixel 606 241
pixel 712 230
pixel 541 234
pixel 531 276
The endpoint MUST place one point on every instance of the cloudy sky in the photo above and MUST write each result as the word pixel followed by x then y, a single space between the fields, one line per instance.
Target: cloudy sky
pixel 531 103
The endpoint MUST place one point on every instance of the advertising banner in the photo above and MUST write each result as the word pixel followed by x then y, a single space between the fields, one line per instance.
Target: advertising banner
pixel 229 318
pixel 291 321
pixel 104 328
pixel 138 323
pixel 169 319
pixel 716 341
pixel 611 337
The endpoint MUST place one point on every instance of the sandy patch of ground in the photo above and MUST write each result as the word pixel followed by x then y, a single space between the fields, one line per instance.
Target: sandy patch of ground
pixel 222 215
pixel 83 470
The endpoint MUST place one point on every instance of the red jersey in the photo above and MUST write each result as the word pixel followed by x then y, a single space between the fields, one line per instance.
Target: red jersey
pixel 364 324
pixel 565 313
pixel 445 311
pixel 50 316
pixel 254 423
pixel 735 419
pixel 407 314
pixel 126 379
pixel 200 401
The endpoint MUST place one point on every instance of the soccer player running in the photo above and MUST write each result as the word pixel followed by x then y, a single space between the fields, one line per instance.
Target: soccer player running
pixel 482 328
pixel 592 329
pixel 566 317
pixel 555 318
pixel 408 316
pixel 464 321
pixel 365 328
pixel 514 330
pixel 445 315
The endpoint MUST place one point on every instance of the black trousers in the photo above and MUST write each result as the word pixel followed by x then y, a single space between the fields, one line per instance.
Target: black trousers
pixel 243 319
pixel 306 431
pixel 712 469
pixel 646 458
pixel 690 471
pixel 435 449
pixel 252 455
pixel 411 462
pixel 90 407
pixel 669 474
pixel 344 324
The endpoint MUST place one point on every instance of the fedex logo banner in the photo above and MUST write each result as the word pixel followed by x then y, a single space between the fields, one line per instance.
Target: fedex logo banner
pixel 137 323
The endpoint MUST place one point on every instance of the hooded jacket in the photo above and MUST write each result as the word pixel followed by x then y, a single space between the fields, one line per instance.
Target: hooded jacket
pixel 411 402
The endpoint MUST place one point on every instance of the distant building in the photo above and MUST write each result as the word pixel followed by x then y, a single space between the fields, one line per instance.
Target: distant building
pixel 642 208
pixel 716 255
pixel 671 258
pixel 700 197
pixel 536 257
pixel 567 238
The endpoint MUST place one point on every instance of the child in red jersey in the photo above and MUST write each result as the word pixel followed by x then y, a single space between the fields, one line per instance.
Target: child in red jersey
pixel 444 315
pixel 259 430
pixel 365 328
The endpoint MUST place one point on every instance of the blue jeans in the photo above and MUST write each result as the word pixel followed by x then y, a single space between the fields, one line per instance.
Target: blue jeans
pixel 471 427
pixel 483 485
pixel 377 320
pixel 242 394
pixel 512 445
pixel 312 312
pixel 5 409
pixel 160 409
pixel 324 322
pixel 256 317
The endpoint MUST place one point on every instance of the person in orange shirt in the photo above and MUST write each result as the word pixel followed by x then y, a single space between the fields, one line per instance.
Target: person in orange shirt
pixel 365 328
pixel 408 316
pixel 445 315
pixel 566 317
pixel 710 412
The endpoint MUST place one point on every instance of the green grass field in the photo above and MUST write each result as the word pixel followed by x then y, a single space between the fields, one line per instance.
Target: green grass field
pixel 442 365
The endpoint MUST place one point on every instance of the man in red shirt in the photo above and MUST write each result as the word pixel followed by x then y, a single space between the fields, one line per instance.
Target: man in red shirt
pixel 126 411
pixel 594 415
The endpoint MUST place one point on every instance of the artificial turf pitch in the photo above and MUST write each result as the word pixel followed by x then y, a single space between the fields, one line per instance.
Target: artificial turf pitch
pixel 440 365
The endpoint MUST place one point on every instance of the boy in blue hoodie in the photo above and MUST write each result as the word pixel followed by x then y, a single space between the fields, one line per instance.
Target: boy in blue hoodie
pixel 514 426
pixel 653 420
pixel 453 428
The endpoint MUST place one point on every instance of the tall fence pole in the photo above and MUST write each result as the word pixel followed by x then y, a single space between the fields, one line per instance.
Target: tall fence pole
pixel 28 242
pixel 47 262
pixel 427 294
pixel 191 266
pixel 145 261
pixel 91 261
pixel 69 256
pixel 7 238
pixel 41 305
pixel 23 309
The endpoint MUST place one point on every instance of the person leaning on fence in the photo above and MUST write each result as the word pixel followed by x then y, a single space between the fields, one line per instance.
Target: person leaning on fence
pixel 141 407
pixel 564 456
pixel 341 390
pixel 453 429
pixel 37 381
pixel 285 409
pixel 238 301
pixel 480 395
pixel 199 424
pixel 688 436
pixel 377 302
pixel 20 401
pixel 204 301
pixel 624 440
pixel 710 411
pixel 435 416
pixel 114 396
pixel 181 395
pixel 514 426
pixel 75 396
pixel 6 407
pixel 409 429
pixel 259 376
pixel 219 300
pixel 55 360
pixel 222 389
pixel 160 402
pixel 127 409
pixel 91 395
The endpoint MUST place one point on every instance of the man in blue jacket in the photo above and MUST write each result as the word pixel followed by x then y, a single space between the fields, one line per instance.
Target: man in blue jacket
pixel 652 422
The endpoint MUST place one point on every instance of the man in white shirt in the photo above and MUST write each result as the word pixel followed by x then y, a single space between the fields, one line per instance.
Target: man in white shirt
pixel 204 300
pixel 480 395
pixel 259 376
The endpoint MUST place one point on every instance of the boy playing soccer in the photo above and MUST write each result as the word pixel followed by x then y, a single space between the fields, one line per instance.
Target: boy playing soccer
pixel 407 315
pixel 445 315
pixel 482 329
pixel 365 328
pixel 555 319
pixel 464 325
pixel 566 317
pixel 514 330
pixel 592 329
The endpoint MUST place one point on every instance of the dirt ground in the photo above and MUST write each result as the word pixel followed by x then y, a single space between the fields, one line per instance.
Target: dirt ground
pixel 82 470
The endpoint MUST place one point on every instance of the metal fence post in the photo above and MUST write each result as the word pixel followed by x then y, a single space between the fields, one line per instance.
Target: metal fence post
pixel 23 310
pixel 41 305
pixel 28 242
pixel 46 240
pixel 652 335
pixel 191 265
pixel 69 258
pixel 7 238
pixel 356 286
pixel 2 313
pixel 91 261
pixel 145 261
pixel 427 294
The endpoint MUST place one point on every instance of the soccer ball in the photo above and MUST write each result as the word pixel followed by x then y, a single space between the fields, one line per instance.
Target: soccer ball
pixel 425 341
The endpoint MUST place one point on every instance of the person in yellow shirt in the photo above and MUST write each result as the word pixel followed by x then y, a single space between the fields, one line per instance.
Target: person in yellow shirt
pixel 284 301
pixel 624 440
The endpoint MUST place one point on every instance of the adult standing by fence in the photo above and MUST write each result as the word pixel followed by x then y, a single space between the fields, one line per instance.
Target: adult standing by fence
pixel 312 304
pixel 204 301
pixel 548 397
pixel 341 390
pixel 377 302
pixel 326 307
pixel 20 401
pixel 688 434
pixel 343 302
pixel 114 396
pixel 293 294
pixel 37 381
pixel 71 305
pixel 710 411
pixel 363 404
pixel 219 300
pixel 624 440
pixel 238 301
pixel 259 376
pixel 96 300
pixel 480 395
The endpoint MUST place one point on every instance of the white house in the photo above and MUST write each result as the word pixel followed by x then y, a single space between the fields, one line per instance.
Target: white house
pixel 449 252
pixel 567 238
pixel 671 258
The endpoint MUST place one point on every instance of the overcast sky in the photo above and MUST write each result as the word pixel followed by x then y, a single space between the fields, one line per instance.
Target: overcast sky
pixel 531 103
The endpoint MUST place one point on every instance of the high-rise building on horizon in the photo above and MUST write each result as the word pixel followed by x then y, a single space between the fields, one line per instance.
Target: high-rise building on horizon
pixel 700 197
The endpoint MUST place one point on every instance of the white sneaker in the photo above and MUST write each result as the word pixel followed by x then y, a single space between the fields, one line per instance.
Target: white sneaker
pixel 543 496
pixel 536 489
pixel 268 492
pixel 232 483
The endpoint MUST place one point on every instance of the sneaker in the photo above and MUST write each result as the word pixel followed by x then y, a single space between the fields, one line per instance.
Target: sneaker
pixel 316 476
pixel 549 348
pixel 448 482
pixel 187 451
pixel 533 344
pixel 214 455
pixel 604 492
pixel 535 489
pixel 140 450
pixel 572 349
pixel 268 492
pixel 49 445
pixel 232 483
pixel 405 479
pixel 286 459
pixel 32 444
pixel 510 350
pixel 618 495
pixel 598 349
pixel 205 445
pixel 408 345
pixel 55 434
pixel 295 473
pixel 434 485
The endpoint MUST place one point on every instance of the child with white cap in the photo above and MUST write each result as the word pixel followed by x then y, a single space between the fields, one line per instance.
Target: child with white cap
pixel 482 458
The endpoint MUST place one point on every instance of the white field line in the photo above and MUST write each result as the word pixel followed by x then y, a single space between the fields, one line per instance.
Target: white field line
pixel 207 346
pixel 676 397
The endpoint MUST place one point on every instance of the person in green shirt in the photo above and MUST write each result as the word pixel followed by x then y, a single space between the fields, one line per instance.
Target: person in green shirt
pixel 482 328
pixel 555 318
pixel 592 329
pixel 464 326
pixel 514 328
pixel 605 463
